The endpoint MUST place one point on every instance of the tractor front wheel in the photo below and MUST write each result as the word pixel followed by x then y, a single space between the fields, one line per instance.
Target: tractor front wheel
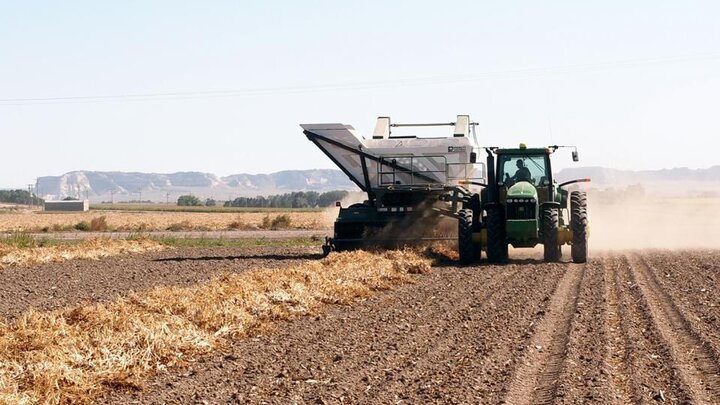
pixel 551 223
pixel 578 226
pixel 497 246
pixel 469 251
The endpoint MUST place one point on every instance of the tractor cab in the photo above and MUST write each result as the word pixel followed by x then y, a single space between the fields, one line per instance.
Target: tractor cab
pixel 524 183
pixel 524 173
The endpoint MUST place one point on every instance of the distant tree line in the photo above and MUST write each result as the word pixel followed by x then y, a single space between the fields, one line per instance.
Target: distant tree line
pixel 298 199
pixel 188 201
pixel 19 197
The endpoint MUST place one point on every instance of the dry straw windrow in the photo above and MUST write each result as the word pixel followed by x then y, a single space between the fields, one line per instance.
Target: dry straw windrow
pixel 91 249
pixel 74 355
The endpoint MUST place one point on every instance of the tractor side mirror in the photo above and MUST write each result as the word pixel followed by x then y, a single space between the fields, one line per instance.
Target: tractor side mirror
pixel 473 157
pixel 575 156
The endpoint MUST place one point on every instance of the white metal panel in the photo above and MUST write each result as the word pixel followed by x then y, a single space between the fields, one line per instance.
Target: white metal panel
pixel 382 128
pixel 432 160
pixel 462 126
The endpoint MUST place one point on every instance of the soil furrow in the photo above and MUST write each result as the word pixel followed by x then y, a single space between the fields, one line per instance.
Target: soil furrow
pixel 620 369
pixel 402 364
pixel 654 375
pixel 484 354
pixel 584 377
pixel 691 282
pixel 536 379
pixel 695 360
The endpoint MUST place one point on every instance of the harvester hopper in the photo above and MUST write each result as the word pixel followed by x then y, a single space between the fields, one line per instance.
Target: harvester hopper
pixel 406 178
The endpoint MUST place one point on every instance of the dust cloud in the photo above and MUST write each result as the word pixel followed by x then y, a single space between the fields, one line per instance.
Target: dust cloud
pixel 424 222
pixel 644 222
pixel 330 214
pixel 617 221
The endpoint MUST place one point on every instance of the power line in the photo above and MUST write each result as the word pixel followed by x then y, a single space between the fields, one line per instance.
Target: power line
pixel 419 81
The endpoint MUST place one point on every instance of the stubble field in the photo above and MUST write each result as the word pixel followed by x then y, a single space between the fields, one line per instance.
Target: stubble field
pixel 279 324
pixel 631 327
pixel 147 221
pixel 626 327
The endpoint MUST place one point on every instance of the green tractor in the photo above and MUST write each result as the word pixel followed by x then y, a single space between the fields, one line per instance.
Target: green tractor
pixel 523 206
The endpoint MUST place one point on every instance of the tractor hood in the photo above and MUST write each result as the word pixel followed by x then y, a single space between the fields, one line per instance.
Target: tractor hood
pixel 522 189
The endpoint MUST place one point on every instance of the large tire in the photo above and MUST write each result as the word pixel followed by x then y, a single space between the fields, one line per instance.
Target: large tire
pixel 578 226
pixel 551 223
pixel 497 246
pixel 469 251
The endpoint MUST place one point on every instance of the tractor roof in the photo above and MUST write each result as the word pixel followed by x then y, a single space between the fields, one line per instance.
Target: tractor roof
pixel 523 151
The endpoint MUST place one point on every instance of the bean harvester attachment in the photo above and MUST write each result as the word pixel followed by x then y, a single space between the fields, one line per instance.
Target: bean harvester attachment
pixel 413 182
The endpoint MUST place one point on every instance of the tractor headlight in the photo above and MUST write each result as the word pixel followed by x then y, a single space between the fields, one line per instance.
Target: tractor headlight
pixel 532 200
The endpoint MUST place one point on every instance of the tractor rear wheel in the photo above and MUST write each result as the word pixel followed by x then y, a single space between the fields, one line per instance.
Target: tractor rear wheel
pixel 469 251
pixel 578 226
pixel 497 246
pixel 551 223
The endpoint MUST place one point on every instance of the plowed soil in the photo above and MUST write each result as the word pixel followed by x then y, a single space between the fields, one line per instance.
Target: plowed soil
pixel 627 327
pixel 57 285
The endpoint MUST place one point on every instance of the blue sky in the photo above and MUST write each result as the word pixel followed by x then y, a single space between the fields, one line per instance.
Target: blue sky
pixel 635 84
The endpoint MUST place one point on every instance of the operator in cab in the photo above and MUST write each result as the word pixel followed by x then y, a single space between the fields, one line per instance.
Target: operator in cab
pixel 522 173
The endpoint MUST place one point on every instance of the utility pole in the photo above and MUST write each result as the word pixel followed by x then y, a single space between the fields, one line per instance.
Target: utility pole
pixel 167 198
pixel 139 196
pixel 30 195
pixel 112 196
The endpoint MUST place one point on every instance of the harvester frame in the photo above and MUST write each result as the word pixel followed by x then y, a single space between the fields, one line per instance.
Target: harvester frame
pixel 399 174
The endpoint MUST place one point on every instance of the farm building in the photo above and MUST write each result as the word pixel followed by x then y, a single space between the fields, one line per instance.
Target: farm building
pixel 69 205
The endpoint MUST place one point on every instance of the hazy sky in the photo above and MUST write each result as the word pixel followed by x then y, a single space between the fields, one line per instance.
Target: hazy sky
pixel 635 84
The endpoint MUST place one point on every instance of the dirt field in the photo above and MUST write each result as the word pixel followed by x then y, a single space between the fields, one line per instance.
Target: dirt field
pixel 58 285
pixel 627 327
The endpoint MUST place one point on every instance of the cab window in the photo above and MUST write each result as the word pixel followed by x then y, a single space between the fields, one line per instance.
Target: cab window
pixel 515 168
